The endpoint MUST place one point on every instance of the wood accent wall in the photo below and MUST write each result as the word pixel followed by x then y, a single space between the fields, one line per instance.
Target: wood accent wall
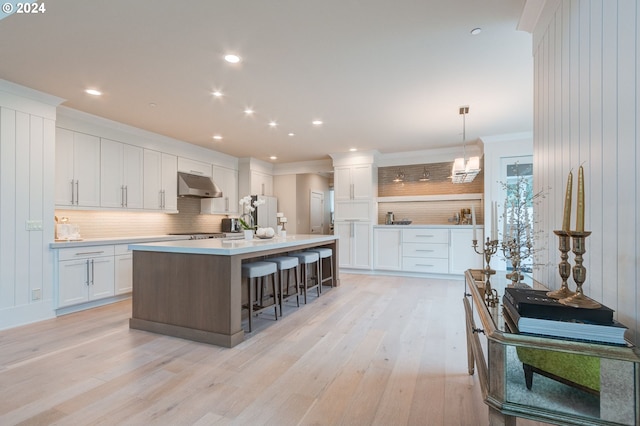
pixel 438 184
pixel 586 111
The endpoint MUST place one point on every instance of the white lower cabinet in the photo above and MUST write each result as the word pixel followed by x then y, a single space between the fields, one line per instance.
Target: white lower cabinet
pixel 461 254
pixel 387 249
pixel 123 263
pixel 85 274
pixel 425 250
pixel 354 244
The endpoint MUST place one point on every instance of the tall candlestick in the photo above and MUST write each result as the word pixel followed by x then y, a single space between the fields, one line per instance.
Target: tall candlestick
pixel 494 221
pixel 580 207
pixel 504 223
pixel 566 218
pixel 473 221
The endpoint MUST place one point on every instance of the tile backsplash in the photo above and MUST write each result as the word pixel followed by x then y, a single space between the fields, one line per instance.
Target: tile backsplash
pixel 106 224
pixel 429 212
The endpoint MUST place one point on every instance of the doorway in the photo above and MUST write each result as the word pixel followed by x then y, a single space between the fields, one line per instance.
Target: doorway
pixel 316 212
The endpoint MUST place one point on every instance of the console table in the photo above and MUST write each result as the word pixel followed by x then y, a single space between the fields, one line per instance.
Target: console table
pixel 491 349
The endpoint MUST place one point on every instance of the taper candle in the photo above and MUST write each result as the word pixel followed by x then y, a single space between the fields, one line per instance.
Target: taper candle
pixel 473 221
pixel 566 218
pixel 504 223
pixel 580 207
pixel 494 221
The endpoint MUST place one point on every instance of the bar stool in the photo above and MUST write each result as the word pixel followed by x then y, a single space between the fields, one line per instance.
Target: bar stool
pixel 307 258
pixel 287 263
pixel 325 253
pixel 260 270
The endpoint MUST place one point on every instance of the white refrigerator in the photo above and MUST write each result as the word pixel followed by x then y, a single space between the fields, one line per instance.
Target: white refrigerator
pixel 265 214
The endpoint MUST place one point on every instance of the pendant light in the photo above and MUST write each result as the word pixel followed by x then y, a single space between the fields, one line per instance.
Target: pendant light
pixel 464 170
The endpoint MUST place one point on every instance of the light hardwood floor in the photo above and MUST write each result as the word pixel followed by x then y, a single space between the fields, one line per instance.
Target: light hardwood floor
pixel 377 350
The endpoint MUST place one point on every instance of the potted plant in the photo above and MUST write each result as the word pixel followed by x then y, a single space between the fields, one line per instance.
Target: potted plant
pixel 246 219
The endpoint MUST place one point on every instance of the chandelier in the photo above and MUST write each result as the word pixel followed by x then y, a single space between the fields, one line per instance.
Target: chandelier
pixel 463 170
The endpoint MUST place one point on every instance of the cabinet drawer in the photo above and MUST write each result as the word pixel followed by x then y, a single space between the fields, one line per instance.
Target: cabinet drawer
pixel 420 264
pixel 440 236
pixel 439 251
pixel 85 252
pixel 353 210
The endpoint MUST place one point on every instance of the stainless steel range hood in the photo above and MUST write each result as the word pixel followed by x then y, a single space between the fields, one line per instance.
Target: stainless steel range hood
pixel 197 186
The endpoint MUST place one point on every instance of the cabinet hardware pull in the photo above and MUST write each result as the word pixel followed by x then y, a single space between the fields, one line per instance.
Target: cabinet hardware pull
pixel 73 193
pixel 428 251
pixel 164 201
pixel 126 196
pixel 77 192
pixel 84 253
pixel 87 282
pixel 422 264
pixel 196 172
pixel 92 271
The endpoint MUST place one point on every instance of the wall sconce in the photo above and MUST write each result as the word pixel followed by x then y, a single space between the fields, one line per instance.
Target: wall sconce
pixel 399 176
pixel 425 175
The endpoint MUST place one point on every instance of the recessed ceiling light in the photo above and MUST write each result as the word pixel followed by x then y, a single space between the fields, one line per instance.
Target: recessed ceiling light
pixel 153 104
pixel 217 137
pixel 93 92
pixel 353 149
pixel 316 122
pixel 232 59
pixel 273 157
pixel 476 31
pixel 248 111
pixel 273 124
pixel 216 93
pixel 292 134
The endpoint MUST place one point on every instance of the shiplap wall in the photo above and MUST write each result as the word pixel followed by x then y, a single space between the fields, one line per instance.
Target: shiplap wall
pixel 586 76
pixel 27 134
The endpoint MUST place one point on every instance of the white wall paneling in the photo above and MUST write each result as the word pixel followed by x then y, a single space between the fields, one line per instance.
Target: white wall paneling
pixel 27 141
pixel 586 75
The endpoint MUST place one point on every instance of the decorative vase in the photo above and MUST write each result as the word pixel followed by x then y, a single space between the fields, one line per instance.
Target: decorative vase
pixel 248 234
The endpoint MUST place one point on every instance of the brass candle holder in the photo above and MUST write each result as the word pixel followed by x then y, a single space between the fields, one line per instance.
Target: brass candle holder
pixel 490 248
pixel 579 300
pixel 564 267
pixel 516 251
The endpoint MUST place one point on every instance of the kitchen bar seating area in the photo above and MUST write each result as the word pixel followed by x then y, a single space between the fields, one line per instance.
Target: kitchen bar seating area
pixel 192 289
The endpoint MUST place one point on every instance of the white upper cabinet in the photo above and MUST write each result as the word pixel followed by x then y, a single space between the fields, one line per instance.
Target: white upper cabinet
pixel 194 167
pixel 227 180
pixel 261 183
pixel 160 181
pixel 120 175
pixel 353 182
pixel 77 171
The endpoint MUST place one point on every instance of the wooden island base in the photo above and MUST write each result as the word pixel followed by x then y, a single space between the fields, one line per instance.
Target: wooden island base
pixel 197 295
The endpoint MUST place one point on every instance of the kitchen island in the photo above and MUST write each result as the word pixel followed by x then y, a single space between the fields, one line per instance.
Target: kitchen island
pixel 192 289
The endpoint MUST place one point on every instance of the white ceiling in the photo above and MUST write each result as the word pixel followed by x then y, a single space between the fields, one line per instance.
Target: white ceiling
pixel 383 75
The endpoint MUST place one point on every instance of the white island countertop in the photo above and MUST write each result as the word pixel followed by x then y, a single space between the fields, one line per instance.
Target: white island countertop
pixel 225 247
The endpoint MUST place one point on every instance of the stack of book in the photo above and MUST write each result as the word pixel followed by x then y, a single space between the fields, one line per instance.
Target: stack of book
pixel 531 311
